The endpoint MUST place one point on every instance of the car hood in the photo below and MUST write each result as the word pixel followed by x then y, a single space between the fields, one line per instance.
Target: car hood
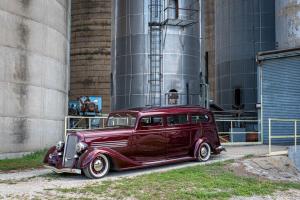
pixel 104 134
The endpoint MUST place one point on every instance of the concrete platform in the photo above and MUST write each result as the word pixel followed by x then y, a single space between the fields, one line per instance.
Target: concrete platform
pixel 294 155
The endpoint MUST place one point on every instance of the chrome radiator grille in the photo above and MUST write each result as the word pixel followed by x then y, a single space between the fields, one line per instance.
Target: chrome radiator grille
pixel 70 151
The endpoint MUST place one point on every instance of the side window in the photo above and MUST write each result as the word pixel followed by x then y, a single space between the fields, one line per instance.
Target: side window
pixel 199 118
pixel 177 120
pixel 151 121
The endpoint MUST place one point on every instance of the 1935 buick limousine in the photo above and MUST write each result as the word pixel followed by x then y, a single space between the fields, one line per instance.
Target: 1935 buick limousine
pixel 137 138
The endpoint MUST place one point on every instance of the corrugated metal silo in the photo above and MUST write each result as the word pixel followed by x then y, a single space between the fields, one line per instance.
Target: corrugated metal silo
pixel 287 24
pixel 242 28
pixel 33 73
pixel 138 60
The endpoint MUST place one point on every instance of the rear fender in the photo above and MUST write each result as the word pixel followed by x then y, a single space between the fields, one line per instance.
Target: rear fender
pixel 118 159
pixel 198 143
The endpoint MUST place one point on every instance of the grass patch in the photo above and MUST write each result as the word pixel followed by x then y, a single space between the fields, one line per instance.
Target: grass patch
pixel 201 182
pixel 33 160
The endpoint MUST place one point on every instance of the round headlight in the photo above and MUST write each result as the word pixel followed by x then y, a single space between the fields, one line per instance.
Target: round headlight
pixel 60 145
pixel 80 147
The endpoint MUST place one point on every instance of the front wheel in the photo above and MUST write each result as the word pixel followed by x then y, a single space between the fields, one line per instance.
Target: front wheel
pixel 204 152
pixel 98 167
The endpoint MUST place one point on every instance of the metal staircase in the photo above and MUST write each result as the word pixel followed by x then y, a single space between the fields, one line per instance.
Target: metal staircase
pixel 155 56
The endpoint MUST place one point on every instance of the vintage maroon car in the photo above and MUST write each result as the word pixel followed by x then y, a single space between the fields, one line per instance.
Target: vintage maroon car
pixel 136 138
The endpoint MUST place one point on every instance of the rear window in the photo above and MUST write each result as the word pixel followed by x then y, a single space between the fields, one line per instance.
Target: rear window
pixel 177 119
pixel 151 121
pixel 199 118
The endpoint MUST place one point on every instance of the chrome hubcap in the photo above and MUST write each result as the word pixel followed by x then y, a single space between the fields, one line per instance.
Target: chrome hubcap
pixel 203 151
pixel 98 165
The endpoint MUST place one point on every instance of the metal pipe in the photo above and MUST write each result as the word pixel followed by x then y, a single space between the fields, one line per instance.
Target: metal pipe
pixel 295 135
pixel 270 121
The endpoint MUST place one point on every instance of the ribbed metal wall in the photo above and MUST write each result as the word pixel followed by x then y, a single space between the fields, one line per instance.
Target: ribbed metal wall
pixel 287 24
pixel 280 89
pixel 242 28
pixel 181 56
pixel 33 73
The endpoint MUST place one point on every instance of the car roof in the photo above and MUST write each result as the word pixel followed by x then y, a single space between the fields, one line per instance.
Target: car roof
pixel 165 110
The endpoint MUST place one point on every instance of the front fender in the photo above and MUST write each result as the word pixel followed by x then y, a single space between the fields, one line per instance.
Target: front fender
pixel 197 144
pixel 119 161
pixel 51 150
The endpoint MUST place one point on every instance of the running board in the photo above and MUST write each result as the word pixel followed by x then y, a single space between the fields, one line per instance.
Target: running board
pixel 169 160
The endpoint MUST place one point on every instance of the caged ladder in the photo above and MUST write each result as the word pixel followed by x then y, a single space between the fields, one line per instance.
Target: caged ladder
pixel 155 54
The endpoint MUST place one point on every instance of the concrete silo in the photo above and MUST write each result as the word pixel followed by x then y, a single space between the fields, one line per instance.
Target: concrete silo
pixel 90 66
pixel 287 24
pixel 156 53
pixel 33 73
pixel 242 28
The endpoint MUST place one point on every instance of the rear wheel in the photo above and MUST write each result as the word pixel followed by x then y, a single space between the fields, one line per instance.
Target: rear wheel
pixel 204 152
pixel 98 167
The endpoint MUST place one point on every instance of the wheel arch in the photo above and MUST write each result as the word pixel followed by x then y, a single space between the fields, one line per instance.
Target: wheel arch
pixel 198 143
pixel 91 154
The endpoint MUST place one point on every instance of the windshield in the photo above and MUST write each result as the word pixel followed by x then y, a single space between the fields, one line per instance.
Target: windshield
pixel 121 119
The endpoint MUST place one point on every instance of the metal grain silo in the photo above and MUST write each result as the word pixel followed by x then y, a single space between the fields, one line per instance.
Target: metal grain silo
pixel 156 53
pixel 242 28
pixel 33 73
pixel 287 24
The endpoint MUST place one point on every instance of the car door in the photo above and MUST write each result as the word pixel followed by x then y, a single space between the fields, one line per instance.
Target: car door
pixel 178 134
pixel 206 121
pixel 149 139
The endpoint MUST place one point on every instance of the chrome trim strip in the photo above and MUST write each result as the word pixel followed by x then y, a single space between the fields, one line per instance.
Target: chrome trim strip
pixel 107 146
pixel 120 141
pixel 66 142
pixel 110 143
pixel 63 170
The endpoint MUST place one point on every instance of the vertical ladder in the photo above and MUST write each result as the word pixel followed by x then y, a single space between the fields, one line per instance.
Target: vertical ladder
pixel 155 55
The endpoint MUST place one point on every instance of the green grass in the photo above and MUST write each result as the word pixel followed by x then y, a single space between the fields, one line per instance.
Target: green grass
pixel 201 182
pixel 33 160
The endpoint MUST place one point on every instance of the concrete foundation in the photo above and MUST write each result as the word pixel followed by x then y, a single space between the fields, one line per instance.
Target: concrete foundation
pixel 33 73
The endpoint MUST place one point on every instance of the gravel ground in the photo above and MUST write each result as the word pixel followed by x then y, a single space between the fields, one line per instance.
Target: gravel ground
pixel 276 168
pixel 38 183
pixel 282 195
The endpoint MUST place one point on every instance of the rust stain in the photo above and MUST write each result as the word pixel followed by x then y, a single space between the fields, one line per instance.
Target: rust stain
pixel 25 3
pixel 20 130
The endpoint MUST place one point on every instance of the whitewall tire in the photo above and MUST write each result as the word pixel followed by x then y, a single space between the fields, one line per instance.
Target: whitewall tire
pixel 204 152
pixel 98 167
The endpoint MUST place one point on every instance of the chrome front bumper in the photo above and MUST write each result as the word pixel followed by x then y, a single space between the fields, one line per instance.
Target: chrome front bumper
pixel 63 170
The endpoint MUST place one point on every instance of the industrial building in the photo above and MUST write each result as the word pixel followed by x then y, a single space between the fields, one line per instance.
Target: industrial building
pixel 157 53
pixel 279 94
pixel 90 60
pixel 134 53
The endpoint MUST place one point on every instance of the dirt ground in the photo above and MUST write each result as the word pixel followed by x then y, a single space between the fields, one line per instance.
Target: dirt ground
pixel 41 182
pixel 277 168
pixel 282 195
